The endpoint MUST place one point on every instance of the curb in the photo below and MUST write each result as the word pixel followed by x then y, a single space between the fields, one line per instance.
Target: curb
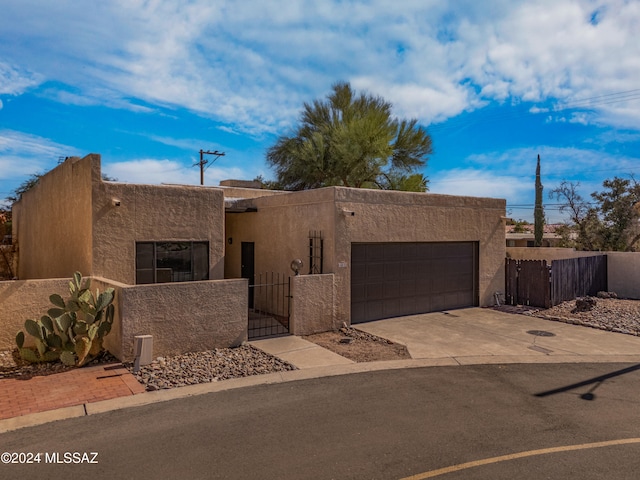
pixel 148 398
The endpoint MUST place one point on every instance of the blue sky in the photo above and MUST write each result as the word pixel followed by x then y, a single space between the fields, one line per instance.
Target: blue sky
pixel 147 84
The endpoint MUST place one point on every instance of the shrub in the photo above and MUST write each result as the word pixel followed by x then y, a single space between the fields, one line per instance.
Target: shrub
pixel 72 331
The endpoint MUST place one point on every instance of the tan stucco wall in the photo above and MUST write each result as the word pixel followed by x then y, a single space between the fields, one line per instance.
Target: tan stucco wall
pixel 387 216
pixel 153 213
pixel 548 254
pixel 312 304
pixel 239 192
pixel 181 317
pixel 23 299
pixel 68 222
pixel 280 229
pixel 52 221
pixel 623 268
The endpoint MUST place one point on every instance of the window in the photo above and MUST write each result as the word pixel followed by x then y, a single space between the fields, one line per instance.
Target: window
pixel 161 262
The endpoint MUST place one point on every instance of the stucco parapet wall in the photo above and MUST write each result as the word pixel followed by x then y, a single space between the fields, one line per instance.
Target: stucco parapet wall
pixel 239 192
pixel 363 195
pixel 182 317
pixel 369 196
pixel 302 197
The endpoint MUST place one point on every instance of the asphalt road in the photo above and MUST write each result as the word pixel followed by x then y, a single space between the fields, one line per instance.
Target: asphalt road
pixel 511 421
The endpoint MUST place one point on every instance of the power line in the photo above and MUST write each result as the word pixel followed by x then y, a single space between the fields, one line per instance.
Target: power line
pixel 501 114
pixel 203 162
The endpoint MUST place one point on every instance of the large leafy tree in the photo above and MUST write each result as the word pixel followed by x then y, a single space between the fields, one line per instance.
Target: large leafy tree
pixel 610 222
pixel 620 213
pixel 354 141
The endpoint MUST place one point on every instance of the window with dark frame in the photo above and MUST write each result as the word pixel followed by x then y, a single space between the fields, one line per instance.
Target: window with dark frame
pixel 163 262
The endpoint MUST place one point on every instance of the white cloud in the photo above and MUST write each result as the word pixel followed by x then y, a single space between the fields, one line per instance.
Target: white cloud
pixel 478 183
pixel 23 154
pixel 251 64
pixel 14 81
pixel 154 171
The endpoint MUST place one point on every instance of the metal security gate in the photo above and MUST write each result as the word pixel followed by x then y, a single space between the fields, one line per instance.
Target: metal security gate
pixel 396 279
pixel 269 305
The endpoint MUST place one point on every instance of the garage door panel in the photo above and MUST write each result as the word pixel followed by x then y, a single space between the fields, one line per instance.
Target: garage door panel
pixel 423 304
pixel 391 290
pixel 374 253
pixel 392 271
pixel 407 288
pixel 391 308
pixel 374 291
pixel 375 271
pixel 410 269
pixel 359 272
pixel 408 278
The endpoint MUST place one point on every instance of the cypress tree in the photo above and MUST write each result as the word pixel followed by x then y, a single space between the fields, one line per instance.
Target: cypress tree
pixel 538 213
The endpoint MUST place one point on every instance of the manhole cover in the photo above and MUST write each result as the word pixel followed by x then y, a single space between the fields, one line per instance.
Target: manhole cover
pixel 541 333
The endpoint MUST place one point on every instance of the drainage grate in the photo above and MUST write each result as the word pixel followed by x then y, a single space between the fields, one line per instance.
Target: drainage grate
pixel 546 351
pixel 541 333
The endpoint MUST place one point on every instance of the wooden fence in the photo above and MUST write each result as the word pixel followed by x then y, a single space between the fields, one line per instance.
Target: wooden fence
pixel 535 283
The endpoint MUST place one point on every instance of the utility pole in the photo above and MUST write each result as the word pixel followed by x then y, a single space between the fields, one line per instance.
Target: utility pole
pixel 203 162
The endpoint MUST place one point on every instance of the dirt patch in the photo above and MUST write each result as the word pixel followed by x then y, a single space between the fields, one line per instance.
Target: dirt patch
pixel 359 346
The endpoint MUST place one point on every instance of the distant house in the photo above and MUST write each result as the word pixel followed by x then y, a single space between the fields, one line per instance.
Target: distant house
pixel 526 238
pixel 182 257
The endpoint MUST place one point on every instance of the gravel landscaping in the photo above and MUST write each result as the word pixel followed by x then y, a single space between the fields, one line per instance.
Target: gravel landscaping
pixel 615 315
pixel 209 366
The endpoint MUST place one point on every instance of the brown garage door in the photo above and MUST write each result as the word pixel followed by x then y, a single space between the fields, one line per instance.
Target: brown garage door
pixel 396 279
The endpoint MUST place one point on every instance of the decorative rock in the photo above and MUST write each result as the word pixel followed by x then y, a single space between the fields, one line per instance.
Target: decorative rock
pixel 607 295
pixel 621 316
pixel 585 304
pixel 208 366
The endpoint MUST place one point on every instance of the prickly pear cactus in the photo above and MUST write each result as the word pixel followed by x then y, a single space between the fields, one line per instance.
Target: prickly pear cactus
pixel 73 330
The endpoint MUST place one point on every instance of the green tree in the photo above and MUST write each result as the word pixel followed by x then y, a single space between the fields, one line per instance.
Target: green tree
pixel 538 212
pixel 583 230
pixel 28 184
pixel 619 206
pixel 612 222
pixel 354 141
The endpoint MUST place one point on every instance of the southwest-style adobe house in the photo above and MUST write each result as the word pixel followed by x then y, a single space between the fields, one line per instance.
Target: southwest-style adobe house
pixel 181 257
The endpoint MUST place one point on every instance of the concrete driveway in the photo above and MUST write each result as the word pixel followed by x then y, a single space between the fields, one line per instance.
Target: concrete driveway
pixel 484 335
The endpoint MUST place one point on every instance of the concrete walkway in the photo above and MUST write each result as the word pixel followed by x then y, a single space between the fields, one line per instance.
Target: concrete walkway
pixel 459 337
pixel 300 352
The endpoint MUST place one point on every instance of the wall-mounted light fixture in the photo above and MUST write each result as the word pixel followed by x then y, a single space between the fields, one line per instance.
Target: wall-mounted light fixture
pixel 115 202
pixel 296 266
pixel 230 240
pixel 348 213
